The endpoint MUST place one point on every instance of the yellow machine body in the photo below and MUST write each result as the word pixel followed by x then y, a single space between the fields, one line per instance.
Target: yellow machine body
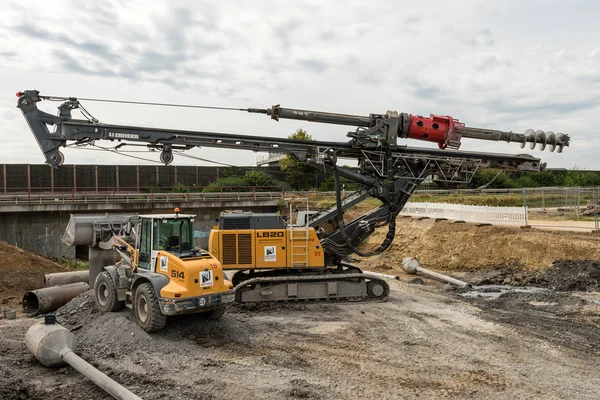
pixel 266 248
pixel 191 277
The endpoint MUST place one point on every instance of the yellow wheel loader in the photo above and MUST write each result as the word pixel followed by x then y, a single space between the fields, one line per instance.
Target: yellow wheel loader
pixel 161 273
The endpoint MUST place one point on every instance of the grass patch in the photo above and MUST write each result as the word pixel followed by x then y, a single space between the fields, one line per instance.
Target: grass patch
pixel 75 265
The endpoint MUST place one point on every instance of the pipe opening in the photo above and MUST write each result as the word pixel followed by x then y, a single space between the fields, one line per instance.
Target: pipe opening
pixel 31 303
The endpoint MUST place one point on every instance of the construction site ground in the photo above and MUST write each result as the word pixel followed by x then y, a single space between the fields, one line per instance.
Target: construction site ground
pixel 540 339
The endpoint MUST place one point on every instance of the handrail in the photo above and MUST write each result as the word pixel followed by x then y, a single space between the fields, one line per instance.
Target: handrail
pixel 79 196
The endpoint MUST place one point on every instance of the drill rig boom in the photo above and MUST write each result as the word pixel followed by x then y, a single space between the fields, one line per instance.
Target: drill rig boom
pixel 388 170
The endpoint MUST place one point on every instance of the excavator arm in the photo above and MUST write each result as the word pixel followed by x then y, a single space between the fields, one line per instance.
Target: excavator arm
pixel 389 171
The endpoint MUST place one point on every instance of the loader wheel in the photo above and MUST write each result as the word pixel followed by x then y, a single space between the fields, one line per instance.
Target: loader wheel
pixel 105 292
pixel 213 314
pixel 147 310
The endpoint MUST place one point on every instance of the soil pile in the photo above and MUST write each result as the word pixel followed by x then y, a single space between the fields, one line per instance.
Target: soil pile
pixel 447 246
pixel 77 312
pixel 564 275
pixel 575 275
pixel 22 271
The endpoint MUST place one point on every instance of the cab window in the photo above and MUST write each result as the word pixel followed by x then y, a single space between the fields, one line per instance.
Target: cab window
pixel 145 244
pixel 173 235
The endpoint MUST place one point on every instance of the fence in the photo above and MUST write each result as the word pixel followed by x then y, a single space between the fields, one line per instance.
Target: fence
pixel 516 216
pixel 43 178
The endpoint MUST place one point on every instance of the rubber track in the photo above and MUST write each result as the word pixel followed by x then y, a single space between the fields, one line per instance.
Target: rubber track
pixel 315 278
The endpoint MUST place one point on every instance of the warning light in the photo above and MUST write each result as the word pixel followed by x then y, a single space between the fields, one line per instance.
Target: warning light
pixel 19 94
pixel 176 210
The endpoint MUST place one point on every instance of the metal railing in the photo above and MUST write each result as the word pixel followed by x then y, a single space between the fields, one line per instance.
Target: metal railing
pixel 147 195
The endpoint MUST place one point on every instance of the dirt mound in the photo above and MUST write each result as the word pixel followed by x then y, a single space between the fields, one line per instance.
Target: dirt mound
pixel 575 275
pixel 81 310
pixel 448 246
pixel 564 275
pixel 22 271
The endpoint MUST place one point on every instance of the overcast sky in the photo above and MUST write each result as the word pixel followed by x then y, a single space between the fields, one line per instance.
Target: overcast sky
pixel 509 65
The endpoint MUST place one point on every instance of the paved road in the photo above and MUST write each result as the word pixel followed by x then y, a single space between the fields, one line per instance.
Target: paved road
pixel 576 226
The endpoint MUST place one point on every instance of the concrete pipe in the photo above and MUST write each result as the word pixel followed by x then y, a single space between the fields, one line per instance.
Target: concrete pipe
pixel 64 278
pixel 54 346
pixel 412 266
pixel 44 300
pixel 378 275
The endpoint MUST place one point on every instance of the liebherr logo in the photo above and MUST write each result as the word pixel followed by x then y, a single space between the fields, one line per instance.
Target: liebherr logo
pixel 117 135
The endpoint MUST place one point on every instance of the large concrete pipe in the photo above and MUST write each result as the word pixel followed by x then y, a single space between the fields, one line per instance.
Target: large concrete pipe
pixel 44 300
pixel 64 278
pixel 54 346
pixel 412 266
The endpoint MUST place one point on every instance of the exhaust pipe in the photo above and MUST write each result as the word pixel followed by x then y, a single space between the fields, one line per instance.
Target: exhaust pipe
pixel 412 266
pixel 64 278
pixel 54 346
pixel 44 300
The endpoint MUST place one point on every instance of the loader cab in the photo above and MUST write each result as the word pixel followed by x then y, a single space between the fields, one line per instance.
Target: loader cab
pixel 166 232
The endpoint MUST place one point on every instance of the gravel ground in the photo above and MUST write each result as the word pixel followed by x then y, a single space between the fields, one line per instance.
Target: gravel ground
pixel 424 342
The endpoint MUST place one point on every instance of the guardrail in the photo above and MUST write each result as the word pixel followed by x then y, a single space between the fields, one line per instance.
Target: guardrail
pixel 516 216
pixel 114 196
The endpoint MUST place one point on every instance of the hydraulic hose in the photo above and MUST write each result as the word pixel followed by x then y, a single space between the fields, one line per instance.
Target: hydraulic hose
pixel 391 220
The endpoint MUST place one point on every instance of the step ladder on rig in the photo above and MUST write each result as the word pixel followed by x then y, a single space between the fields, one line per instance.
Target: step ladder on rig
pixel 299 233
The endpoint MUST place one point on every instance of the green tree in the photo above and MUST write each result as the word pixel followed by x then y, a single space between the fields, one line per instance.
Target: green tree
pixel 297 172
pixel 491 179
pixel 252 180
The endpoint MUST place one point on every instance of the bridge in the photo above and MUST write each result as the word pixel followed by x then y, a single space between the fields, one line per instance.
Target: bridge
pixel 36 219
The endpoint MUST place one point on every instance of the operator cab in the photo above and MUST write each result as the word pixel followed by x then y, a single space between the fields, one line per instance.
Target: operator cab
pixel 173 233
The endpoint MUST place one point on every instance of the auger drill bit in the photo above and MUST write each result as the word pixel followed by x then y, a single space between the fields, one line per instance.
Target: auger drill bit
pixel 441 129
pixel 550 139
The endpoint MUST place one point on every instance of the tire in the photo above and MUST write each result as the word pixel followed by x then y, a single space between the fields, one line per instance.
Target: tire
pixel 105 294
pixel 147 310
pixel 213 314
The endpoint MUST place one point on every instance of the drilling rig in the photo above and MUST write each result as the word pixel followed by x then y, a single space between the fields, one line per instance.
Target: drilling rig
pixel 306 260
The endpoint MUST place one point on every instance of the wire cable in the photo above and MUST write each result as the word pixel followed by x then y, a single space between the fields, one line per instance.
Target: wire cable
pixel 202 159
pixel 127 155
pixel 144 103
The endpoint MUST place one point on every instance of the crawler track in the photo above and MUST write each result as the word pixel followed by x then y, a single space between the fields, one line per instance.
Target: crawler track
pixel 327 286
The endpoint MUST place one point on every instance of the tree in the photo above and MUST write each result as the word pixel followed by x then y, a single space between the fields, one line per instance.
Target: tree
pixel 297 173
pixel 256 180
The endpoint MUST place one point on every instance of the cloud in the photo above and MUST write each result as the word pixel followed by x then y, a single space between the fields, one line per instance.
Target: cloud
pixel 519 108
pixel 474 37
pixel 312 65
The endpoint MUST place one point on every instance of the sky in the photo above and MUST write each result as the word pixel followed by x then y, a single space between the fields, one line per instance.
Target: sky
pixel 508 65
